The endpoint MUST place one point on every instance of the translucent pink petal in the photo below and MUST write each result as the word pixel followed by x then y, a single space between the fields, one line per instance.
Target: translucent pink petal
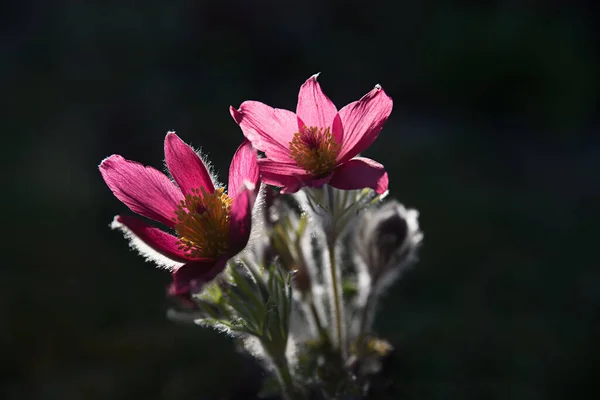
pixel 243 168
pixel 337 129
pixel 360 173
pixel 288 176
pixel 190 278
pixel 152 242
pixel 287 183
pixel 290 167
pixel 240 220
pixel 269 129
pixel 144 190
pixel 319 182
pixel 185 165
pixel 314 107
pixel 362 121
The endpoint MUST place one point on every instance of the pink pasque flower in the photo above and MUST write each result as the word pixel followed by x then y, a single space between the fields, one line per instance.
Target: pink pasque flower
pixel 318 144
pixel 211 226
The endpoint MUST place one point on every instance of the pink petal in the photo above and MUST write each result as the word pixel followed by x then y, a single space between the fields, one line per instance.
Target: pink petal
pixel 360 173
pixel 314 108
pixel 190 278
pixel 185 165
pixel 288 176
pixel 240 220
pixel 319 182
pixel 144 190
pixel 243 168
pixel 153 243
pixel 290 167
pixel 269 129
pixel 287 183
pixel 362 121
pixel 337 129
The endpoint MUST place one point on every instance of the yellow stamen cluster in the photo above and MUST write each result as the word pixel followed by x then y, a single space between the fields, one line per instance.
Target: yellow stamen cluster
pixel 202 223
pixel 315 150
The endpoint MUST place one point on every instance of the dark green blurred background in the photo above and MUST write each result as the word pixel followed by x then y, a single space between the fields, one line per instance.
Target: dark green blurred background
pixel 493 137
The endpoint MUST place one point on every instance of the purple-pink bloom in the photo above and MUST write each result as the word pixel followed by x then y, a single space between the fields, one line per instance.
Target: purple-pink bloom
pixel 211 226
pixel 318 144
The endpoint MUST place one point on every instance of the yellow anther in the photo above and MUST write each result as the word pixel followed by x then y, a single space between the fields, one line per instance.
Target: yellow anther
pixel 202 223
pixel 315 150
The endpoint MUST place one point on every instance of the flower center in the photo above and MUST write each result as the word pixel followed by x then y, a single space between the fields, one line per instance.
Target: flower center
pixel 315 150
pixel 202 223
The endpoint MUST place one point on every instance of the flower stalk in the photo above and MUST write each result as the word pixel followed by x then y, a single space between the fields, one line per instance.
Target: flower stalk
pixel 289 389
pixel 336 283
pixel 337 301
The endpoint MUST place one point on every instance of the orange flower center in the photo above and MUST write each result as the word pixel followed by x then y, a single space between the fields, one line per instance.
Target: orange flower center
pixel 202 223
pixel 315 150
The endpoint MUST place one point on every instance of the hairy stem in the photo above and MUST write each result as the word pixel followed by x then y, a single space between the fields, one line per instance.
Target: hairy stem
pixel 335 280
pixel 289 390
pixel 366 319
pixel 317 319
pixel 337 301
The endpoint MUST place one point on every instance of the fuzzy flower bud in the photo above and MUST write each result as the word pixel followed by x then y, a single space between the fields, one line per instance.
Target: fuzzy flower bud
pixel 286 241
pixel 387 240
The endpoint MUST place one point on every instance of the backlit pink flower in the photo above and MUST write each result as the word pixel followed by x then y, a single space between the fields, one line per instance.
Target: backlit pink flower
pixel 210 226
pixel 318 144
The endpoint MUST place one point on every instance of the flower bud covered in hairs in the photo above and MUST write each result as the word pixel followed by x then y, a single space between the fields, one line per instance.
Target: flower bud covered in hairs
pixel 285 239
pixel 387 240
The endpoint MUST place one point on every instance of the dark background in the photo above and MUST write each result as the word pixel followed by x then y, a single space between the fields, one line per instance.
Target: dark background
pixel 493 137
